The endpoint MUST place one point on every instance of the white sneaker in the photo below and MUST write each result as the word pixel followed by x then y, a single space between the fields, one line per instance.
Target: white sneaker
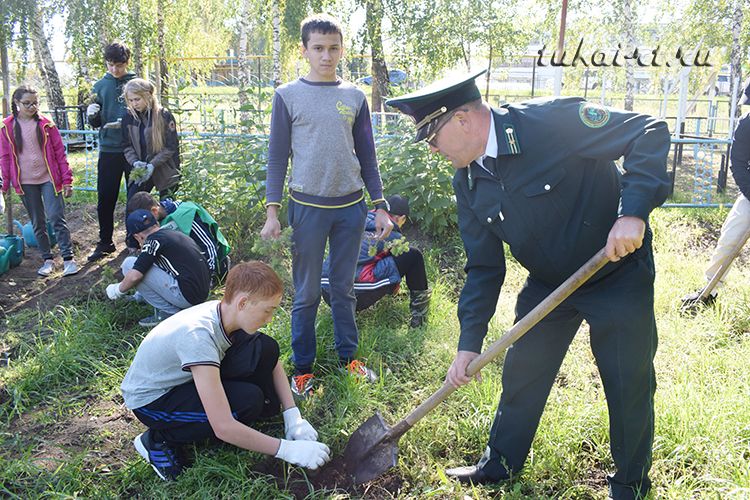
pixel 47 268
pixel 70 267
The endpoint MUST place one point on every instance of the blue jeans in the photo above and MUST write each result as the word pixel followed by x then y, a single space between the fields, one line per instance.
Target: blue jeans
pixel 41 198
pixel 312 227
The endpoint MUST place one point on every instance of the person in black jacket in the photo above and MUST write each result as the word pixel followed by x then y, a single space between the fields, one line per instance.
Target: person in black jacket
pixel 540 176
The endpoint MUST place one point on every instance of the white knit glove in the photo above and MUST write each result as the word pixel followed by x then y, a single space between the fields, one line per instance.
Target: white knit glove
pixel 141 172
pixel 93 109
pixel 309 454
pixel 113 291
pixel 297 428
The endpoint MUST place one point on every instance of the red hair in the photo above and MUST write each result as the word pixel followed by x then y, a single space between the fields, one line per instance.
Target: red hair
pixel 255 278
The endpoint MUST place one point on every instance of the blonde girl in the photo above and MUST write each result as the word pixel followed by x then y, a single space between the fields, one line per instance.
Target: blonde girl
pixel 150 141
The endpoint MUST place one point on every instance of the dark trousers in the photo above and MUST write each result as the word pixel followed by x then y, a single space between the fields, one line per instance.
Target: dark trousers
pixel 411 265
pixel 178 417
pixel 148 186
pixel 109 172
pixel 619 311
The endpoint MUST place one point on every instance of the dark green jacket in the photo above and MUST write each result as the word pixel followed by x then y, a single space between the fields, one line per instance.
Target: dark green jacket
pixel 109 96
pixel 553 196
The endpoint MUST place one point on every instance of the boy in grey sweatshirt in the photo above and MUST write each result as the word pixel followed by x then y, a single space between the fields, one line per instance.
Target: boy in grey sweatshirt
pixel 323 124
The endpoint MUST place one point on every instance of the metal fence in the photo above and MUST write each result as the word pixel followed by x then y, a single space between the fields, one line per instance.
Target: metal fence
pixel 698 166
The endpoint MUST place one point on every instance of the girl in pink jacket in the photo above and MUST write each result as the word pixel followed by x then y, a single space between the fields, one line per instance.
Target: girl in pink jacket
pixel 32 160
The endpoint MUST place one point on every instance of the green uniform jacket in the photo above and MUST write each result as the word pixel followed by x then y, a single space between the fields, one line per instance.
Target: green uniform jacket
pixel 553 196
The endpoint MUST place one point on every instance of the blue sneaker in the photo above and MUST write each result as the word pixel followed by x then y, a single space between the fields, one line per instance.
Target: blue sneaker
pixel 154 319
pixel 162 457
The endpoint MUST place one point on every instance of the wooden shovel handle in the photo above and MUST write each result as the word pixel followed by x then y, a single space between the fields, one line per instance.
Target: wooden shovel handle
pixel 553 300
pixel 724 267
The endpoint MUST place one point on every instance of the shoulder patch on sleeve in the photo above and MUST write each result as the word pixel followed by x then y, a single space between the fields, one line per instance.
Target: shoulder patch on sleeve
pixel 593 115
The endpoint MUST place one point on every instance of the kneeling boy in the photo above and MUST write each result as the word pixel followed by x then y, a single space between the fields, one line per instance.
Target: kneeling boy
pixel 170 273
pixel 200 375
pixel 192 220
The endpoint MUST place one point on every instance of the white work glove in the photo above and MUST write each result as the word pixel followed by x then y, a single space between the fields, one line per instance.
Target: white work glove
pixel 309 454
pixel 113 291
pixel 93 109
pixel 297 428
pixel 141 172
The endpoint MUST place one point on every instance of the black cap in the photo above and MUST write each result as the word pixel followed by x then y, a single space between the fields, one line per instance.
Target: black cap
pixel 745 97
pixel 398 205
pixel 140 220
pixel 427 105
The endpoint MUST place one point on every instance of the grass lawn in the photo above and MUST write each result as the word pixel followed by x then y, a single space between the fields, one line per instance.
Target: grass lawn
pixel 65 434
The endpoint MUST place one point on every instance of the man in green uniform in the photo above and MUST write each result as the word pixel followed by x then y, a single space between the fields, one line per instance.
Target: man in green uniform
pixel 540 176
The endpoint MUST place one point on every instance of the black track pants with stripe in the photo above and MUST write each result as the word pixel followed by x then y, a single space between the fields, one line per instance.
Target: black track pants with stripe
pixel 178 417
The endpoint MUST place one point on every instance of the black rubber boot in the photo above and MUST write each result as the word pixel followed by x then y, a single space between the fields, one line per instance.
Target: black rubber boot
pixel 419 304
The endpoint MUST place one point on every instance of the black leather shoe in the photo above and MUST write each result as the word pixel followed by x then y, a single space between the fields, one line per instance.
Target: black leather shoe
pixel 100 251
pixel 470 474
pixel 691 305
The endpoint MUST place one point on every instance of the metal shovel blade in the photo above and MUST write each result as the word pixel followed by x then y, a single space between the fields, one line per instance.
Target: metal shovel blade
pixel 370 450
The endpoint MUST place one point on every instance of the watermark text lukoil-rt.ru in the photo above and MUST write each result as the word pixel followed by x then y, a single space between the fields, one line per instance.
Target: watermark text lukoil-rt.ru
pixel 649 58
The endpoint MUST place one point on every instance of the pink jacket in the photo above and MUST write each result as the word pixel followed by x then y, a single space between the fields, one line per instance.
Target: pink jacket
pixel 54 156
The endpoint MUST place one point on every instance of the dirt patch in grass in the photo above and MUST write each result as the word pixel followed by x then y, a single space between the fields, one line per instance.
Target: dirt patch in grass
pixel 331 477
pixel 22 288
pixel 100 434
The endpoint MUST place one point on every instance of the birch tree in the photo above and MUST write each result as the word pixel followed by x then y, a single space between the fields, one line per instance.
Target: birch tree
pixel 374 21
pixel 735 58
pixel 55 98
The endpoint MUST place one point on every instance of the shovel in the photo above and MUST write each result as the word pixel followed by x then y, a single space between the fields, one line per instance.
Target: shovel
pixel 372 449
pixel 719 274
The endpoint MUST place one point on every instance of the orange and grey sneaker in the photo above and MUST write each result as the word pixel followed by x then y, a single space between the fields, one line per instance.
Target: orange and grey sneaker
pixel 302 385
pixel 358 368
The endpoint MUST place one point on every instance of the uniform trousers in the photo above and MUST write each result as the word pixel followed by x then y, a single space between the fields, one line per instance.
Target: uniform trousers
pixel 619 311
pixel 178 417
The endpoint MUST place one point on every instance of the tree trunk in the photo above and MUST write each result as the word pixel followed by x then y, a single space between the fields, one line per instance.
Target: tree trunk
pixel 244 76
pixel 380 82
pixel 629 18
pixel 163 70
pixel 5 66
pixel 466 53
pixel 276 51
pixel 55 97
pixel 135 26
pixel 488 74
pixel 735 58
pixel 83 88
